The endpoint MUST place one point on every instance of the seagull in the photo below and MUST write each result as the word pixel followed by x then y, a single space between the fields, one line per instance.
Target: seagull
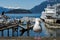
pixel 37 27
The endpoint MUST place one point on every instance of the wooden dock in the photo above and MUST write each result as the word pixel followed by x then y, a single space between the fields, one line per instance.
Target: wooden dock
pixel 28 38
pixel 14 26
pixel 8 26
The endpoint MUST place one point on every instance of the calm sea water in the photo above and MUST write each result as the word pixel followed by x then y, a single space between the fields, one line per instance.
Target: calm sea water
pixel 32 33
pixel 24 15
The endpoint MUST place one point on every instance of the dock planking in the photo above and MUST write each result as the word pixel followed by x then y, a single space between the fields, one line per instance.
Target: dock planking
pixel 8 26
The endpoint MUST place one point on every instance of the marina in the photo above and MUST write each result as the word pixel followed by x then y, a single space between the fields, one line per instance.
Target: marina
pixel 39 23
pixel 27 22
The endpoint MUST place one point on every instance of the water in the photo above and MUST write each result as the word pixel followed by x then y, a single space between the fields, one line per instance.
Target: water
pixel 23 15
pixel 32 33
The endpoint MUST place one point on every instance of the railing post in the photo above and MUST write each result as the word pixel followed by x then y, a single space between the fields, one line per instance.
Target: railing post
pixel 8 32
pixel 2 33
pixel 13 32
pixel 17 31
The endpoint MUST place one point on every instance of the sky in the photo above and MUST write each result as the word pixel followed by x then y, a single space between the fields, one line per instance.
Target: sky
pixel 23 4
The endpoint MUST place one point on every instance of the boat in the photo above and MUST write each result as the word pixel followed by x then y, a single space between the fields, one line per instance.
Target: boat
pixel 51 17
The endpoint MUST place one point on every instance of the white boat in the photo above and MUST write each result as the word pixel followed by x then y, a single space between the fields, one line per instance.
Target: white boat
pixel 51 15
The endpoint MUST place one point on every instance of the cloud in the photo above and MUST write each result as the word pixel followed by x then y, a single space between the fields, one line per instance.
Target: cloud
pixel 10 7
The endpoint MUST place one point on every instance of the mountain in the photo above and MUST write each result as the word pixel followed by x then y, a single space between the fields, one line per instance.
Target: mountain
pixel 40 8
pixel 37 9
pixel 19 11
pixel 3 9
pixel 8 10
